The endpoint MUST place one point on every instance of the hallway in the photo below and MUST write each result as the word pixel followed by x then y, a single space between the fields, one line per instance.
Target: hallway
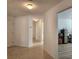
pixel 27 53
pixel 20 28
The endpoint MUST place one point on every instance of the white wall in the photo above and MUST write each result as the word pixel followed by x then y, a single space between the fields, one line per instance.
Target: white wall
pixel 34 30
pixel 10 30
pixel 21 31
pixel 30 31
pixel 50 26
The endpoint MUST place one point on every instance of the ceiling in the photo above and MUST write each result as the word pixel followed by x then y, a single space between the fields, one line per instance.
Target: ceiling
pixel 16 7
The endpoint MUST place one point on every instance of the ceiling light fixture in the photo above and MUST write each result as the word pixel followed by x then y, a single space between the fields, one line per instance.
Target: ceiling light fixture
pixel 35 19
pixel 29 5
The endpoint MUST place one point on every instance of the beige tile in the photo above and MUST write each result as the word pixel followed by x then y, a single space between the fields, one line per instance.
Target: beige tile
pixel 27 53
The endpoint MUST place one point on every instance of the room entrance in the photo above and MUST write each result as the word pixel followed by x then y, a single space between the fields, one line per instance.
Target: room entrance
pixel 37 32
pixel 65 34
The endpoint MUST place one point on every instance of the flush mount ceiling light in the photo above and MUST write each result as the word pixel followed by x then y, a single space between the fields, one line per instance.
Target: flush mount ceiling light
pixel 35 19
pixel 29 4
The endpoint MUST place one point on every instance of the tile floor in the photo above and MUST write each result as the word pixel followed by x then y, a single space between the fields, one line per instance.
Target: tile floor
pixel 27 53
pixel 65 51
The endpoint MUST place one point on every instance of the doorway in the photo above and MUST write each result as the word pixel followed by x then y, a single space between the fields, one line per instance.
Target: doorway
pixel 38 31
pixel 65 34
